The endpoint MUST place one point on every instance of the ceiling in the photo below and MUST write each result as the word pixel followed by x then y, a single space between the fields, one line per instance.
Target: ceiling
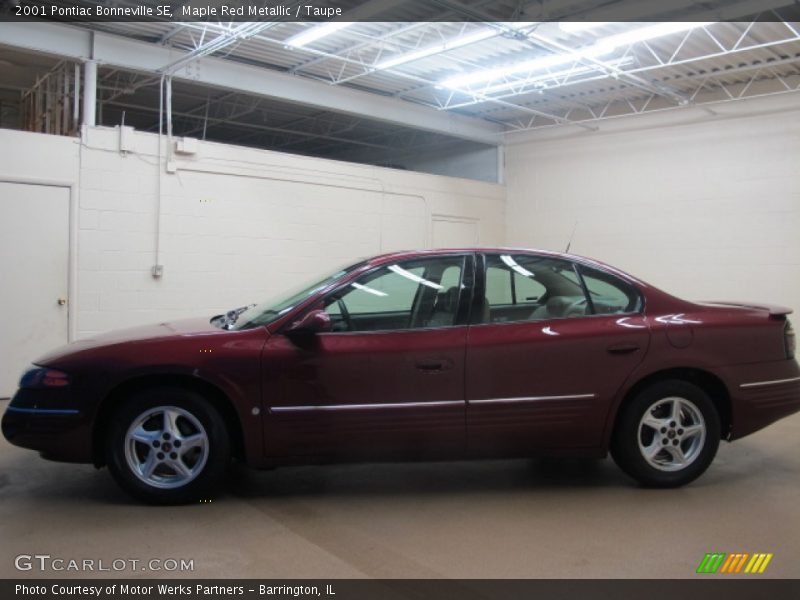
pixel 527 71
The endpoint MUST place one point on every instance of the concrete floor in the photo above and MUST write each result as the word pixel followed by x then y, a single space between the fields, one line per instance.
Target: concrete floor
pixel 542 518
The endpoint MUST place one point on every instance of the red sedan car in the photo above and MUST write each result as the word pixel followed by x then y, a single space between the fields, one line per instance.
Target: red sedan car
pixel 418 355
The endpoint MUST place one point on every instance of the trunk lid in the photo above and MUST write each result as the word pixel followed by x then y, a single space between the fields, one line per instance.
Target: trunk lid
pixel 774 310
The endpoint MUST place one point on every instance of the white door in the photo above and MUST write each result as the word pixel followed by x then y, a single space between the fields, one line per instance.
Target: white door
pixel 454 232
pixel 34 263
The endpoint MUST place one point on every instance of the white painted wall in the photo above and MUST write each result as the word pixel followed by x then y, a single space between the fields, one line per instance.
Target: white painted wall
pixel 237 224
pixel 706 207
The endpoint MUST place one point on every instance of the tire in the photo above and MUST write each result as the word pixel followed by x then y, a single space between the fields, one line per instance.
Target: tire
pixel 168 445
pixel 658 449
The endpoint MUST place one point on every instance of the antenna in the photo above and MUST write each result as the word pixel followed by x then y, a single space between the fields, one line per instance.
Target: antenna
pixel 572 235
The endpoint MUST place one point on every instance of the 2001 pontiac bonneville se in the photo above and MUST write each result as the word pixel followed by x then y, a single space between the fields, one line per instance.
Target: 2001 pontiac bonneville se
pixel 418 355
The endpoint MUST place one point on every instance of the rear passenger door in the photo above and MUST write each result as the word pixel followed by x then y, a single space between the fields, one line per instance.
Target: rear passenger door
pixel 547 353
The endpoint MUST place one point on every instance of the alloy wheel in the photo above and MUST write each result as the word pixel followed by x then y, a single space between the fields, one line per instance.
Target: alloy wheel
pixel 166 447
pixel 671 434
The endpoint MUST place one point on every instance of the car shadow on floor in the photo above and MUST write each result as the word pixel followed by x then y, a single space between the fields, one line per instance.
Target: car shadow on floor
pixel 57 483
pixel 398 479
pixel 61 483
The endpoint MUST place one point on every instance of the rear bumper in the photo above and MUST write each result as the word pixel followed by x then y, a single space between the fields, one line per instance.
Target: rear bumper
pixel 51 424
pixel 764 394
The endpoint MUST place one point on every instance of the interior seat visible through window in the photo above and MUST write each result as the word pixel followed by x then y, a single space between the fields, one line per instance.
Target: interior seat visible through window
pixel 524 287
pixel 529 287
pixel 556 307
pixel 445 308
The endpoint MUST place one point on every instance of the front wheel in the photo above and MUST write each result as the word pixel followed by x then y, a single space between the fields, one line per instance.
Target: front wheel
pixel 168 446
pixel 667 435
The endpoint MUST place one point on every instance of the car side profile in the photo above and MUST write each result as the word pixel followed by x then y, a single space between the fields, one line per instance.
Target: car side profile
pixel 438 354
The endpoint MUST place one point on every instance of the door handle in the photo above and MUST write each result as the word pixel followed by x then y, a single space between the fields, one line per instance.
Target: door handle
pixel 432 366
pixel 622 348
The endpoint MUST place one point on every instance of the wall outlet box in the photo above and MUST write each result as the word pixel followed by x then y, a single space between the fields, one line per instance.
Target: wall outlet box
pixel 186 145
pixel 126 139
pixel 157 271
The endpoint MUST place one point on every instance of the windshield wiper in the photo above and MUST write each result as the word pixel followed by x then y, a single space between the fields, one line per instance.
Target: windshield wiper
pixel 229 318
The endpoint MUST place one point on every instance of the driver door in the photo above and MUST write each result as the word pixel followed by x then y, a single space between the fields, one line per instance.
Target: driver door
pixel 388 380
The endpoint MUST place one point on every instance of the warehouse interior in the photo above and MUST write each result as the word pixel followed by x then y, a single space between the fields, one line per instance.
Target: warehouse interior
pixel 154 171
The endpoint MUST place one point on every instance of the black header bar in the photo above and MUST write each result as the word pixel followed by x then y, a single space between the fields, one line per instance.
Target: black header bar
pixel 226 11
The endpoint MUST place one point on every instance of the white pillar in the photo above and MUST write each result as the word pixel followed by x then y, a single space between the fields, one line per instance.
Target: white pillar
pixel 501 164
pixel 89 92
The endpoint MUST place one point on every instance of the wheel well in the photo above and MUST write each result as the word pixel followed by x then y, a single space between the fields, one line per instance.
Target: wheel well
pixel 708 382
pixel 213 394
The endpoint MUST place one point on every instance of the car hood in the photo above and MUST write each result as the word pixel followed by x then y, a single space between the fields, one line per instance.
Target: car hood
pixel 179 328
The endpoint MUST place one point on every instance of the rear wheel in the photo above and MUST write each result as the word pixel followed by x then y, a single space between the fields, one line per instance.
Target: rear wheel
pixel 168 446
pixel 667 435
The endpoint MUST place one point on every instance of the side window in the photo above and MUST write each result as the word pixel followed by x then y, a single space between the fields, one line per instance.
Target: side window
pixel 408 295
pixel 522 287
pixel 609 294
pixel 527 289
pixel 509 287
pixel 498 285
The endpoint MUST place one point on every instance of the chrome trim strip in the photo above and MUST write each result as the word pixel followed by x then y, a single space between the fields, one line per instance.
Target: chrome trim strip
pixel 771 382
pixel 531 399
pixel 438 403
pixel 43 411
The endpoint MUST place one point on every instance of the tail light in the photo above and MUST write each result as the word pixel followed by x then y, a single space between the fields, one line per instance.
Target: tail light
pixel 39 377
pixel 789 339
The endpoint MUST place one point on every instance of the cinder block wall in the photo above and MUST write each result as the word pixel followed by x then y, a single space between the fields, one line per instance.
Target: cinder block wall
pixel 238 225
pixel 705 206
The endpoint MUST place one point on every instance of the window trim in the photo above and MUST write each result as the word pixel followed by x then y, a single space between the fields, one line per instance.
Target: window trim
pixel 576 265
pixel 463 314
pixel 586 293
pixel 513 283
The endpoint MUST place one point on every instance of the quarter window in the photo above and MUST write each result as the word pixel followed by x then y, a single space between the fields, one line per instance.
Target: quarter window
pixel 609 295
pixel 407 295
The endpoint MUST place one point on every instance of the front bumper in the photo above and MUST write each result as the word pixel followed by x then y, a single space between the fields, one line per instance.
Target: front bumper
pixel 49 421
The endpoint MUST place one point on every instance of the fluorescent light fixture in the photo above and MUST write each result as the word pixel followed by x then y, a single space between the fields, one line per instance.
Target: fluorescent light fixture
pixel 536 64
pixel 462 40
pixel 650 32
pixel 579 26
pixel 368 289
pixel 458 42
pixel 603 47
pixel 415 278
pixel 551 75
pixel 315 33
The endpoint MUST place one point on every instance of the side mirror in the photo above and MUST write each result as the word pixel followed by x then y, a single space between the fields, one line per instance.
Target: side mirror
pixel 315 321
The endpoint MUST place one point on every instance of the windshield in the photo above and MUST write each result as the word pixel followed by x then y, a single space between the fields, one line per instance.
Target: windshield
pixel 266 312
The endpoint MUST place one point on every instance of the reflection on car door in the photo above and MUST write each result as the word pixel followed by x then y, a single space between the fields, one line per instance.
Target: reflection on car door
pixel 388 380
pixel 543 367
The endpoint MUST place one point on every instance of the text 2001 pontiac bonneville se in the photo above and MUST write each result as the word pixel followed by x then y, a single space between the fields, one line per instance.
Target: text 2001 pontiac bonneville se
pixel 418 355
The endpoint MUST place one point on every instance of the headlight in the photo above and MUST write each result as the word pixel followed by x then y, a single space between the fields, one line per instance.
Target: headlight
pixel 42 377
